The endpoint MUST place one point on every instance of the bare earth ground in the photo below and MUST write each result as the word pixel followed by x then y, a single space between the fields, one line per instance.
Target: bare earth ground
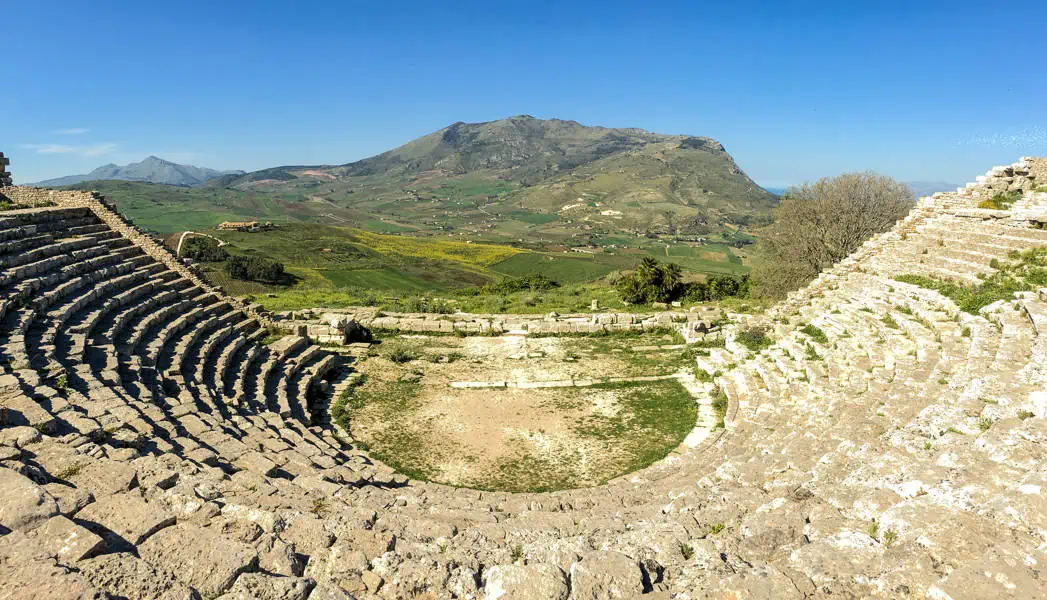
pixel 408 416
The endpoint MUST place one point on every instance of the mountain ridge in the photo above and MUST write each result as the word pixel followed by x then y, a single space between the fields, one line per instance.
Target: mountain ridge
pixel 550 173
pixel 151 169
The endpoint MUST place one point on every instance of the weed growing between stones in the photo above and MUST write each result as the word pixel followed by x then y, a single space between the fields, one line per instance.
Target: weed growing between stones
pixel 401 355
pixel 815 334
pixel 720 403
pixel 69 472
pixel 1001 201
pixel 755 338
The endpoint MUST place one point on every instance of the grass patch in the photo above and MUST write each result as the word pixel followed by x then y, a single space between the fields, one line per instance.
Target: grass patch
pixel 1025 271
pixel 1001 201
pixel 720 404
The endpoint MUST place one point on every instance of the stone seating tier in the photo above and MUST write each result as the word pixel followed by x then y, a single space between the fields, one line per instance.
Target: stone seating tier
pixel 899 456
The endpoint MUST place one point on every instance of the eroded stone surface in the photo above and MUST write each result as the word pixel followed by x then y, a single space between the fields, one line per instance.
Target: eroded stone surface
pixel 205 560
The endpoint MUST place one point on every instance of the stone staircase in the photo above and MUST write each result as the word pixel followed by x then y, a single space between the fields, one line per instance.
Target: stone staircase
pixel 153 447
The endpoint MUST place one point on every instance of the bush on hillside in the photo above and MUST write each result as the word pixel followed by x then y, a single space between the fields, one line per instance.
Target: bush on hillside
pixel 203 249
pixel 253 268
pixel 535 282
pixel 819 224
pixel 716 287
pixel 653 281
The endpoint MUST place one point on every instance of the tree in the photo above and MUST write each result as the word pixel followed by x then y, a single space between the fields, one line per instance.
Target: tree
pixel 203 249
pixel 816 225
pixel 253 268
pixel 651 281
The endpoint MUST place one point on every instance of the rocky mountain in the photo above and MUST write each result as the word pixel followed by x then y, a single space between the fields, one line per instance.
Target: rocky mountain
pixel 556 176
pixel 151 170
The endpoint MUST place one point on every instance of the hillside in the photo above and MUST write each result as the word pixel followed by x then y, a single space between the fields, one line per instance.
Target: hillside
pixel 543 180
pixel 151 170
pixel 331 262
pixel 167 208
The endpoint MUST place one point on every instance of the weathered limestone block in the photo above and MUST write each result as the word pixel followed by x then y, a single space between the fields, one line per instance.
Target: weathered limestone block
pixel 39 579
pixel 308 534
pixel 70 499
pixel 202 558
pixel 531 582
pixel 67 541
pixel 606 576
pixel 125 519
pixel 125 576
pixel 24 505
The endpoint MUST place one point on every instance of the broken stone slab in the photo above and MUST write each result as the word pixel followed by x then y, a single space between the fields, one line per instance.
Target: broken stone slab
pixel 530 582
pixel 256 462
pixel 125 519
pixel 125 576
pixel 202 558
pixel 67 541
pixel 24 505
pixel 259 586
pixel 104 477
pixel 608 575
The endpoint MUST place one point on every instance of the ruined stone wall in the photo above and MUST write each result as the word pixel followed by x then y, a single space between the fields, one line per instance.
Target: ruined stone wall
pixel 327 326
pixel 5 177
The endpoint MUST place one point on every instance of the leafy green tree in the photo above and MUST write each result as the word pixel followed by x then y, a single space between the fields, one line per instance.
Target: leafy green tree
pixel 253 268
pixel 203 249
pixel 651 281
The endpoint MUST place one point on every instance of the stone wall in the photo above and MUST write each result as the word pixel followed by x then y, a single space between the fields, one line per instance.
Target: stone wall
pixel 327 326
pixel 5 177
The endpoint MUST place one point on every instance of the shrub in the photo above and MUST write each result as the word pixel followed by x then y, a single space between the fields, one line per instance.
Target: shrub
pixel 401 355
pixel 253 268
pixel 1001 201
pixel 720 403
pixel 754 338
pixel 815 334
pixel 203 249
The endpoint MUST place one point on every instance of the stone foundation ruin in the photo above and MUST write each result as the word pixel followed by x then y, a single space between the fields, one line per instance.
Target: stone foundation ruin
pixel 152 446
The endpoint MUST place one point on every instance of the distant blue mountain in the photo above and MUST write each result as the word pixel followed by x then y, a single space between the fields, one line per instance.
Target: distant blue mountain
pixel 926 188
pixel 152 170
pixel 919 188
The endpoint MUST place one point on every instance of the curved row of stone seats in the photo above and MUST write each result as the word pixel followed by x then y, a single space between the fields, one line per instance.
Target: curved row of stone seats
pixel 219 349
pixel 900 458
pixel 239 365
pixel 224 352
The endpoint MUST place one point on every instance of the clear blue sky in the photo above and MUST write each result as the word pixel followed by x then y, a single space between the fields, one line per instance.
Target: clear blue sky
pixel 794 90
